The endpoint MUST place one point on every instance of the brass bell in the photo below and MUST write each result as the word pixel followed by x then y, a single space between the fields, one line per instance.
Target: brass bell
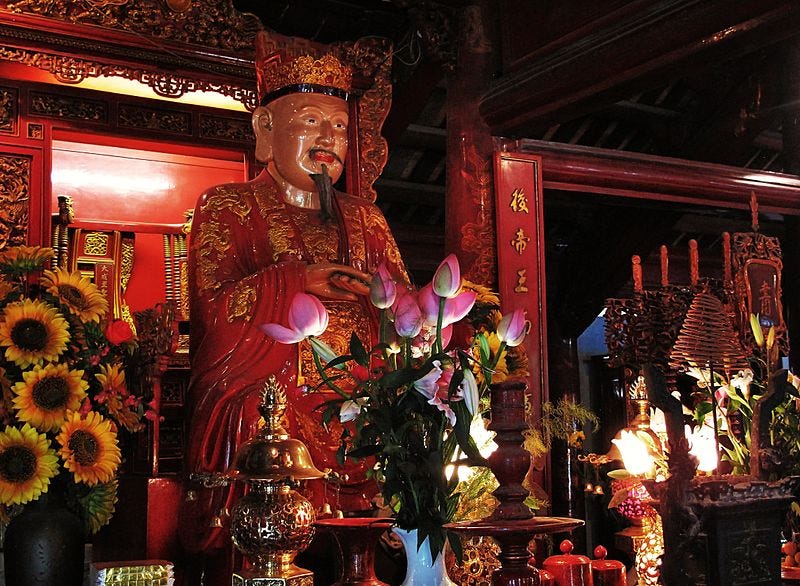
pixel 216 521
pixel 326 510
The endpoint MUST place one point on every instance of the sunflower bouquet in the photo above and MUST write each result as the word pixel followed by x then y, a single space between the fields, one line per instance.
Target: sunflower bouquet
pixel 64 396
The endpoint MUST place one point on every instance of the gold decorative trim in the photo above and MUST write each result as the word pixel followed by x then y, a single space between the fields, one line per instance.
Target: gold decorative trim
pixel 167 85
pixel 35 131
pixel 154 119
pixel 8 110
pixel 222 128
pixel 15 178
pixel 208 23
pixel 371 58
pixel 61 106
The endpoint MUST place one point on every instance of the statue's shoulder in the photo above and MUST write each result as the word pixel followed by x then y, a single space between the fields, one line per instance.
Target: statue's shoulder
pixel 238 199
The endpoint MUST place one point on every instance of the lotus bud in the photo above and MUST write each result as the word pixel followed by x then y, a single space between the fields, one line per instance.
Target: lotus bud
pixel 447 278
pixel 382 289
pixel 512 328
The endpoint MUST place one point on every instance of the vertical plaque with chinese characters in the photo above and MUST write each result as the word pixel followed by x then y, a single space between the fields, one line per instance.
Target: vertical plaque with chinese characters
pixel 520 257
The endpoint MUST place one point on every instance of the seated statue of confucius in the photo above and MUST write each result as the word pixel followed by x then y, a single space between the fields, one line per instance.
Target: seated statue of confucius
pixel 254 246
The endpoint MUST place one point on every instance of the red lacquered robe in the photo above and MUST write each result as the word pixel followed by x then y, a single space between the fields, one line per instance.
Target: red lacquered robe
pixel 247 255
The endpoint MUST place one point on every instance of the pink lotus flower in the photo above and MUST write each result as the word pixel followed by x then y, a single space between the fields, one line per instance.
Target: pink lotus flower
pixel 434 387
pixel 407 315
pixel 455 308
pixel 512 328
pixel 382 289
pixel 447 278
pixel 307 317
pixel 422 344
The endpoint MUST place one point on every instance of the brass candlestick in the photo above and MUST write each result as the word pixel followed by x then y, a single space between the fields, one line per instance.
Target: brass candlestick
pixel 273 522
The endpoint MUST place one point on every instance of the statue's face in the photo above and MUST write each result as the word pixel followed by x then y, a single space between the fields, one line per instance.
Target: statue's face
pixel 307 131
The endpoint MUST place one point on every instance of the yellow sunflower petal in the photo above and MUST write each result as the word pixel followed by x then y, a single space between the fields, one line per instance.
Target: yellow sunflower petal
pixel 77 292
pixel 32 332
pixel 47 394
pixel 89 448
pixel 19 260
pixel 27 463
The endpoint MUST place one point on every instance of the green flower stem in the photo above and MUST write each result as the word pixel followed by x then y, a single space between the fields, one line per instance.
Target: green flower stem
pixel 325 378
pixel 439 319
pixel 487 373
pixel 382 334
pixel 406 352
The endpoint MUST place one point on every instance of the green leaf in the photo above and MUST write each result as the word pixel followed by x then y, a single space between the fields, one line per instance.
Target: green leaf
pixel 455 544
pixel 339 360
pixel 483 347
pixel 465 441
pixel 358 351
pixel 701 411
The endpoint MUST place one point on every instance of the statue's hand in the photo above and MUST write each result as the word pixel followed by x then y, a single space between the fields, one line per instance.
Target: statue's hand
pixel 334 281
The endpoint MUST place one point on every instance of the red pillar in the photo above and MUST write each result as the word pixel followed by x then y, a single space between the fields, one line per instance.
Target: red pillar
pixel 470 224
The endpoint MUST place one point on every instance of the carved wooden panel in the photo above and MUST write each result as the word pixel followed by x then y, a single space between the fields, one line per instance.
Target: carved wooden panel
pixel 62 106
pixel 8 110
pixel 164 120
pixel 209 23
pixel 15 178
pixel 219 127
pixel 169 85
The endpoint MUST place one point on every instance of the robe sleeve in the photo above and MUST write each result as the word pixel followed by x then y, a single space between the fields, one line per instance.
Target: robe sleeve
pixel 231 357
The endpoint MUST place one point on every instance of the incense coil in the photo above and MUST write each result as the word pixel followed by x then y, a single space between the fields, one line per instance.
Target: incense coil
pixel 707 338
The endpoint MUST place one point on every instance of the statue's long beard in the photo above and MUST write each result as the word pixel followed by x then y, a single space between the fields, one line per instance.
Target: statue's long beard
pixel 325 190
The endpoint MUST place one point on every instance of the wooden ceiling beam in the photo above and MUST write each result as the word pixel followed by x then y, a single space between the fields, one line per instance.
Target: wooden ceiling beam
pixel 617 173
pixel 633 51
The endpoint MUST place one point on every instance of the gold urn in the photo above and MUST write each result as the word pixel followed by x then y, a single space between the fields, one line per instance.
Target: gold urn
pixel 273 522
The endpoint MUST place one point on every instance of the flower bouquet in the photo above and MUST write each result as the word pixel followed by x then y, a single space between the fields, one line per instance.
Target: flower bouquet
pixel 64 396
pixel 410 401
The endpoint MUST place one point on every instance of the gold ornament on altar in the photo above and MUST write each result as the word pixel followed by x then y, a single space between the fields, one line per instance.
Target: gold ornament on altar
pixel 273 522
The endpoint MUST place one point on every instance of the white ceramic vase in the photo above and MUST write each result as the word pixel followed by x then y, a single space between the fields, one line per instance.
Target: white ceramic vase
pixel 421 569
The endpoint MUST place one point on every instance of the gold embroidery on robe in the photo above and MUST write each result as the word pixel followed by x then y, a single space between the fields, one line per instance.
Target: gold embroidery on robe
pixel 281 236
pixel 241 301
pixel 225 198
pixel 267 205
pixel 344 318
pixel 321 241
pixel 211 240
pixel 358 249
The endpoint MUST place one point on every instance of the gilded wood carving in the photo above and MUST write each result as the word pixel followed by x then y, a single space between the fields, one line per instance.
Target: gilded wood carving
pixel 15 176
pixel 208 23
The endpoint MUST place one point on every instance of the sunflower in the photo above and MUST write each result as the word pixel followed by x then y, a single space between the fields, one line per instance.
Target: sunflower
pixel 33 331
pixel 27 463
pixel 116 396
pixel 77 292
pixel 89 448
pixel 20 260
pixel 99 502
pixel 500 372
pixel 47 393
pixel 5 288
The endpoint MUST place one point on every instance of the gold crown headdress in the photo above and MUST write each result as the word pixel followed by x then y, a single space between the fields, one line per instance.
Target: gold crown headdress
pixel 280 72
